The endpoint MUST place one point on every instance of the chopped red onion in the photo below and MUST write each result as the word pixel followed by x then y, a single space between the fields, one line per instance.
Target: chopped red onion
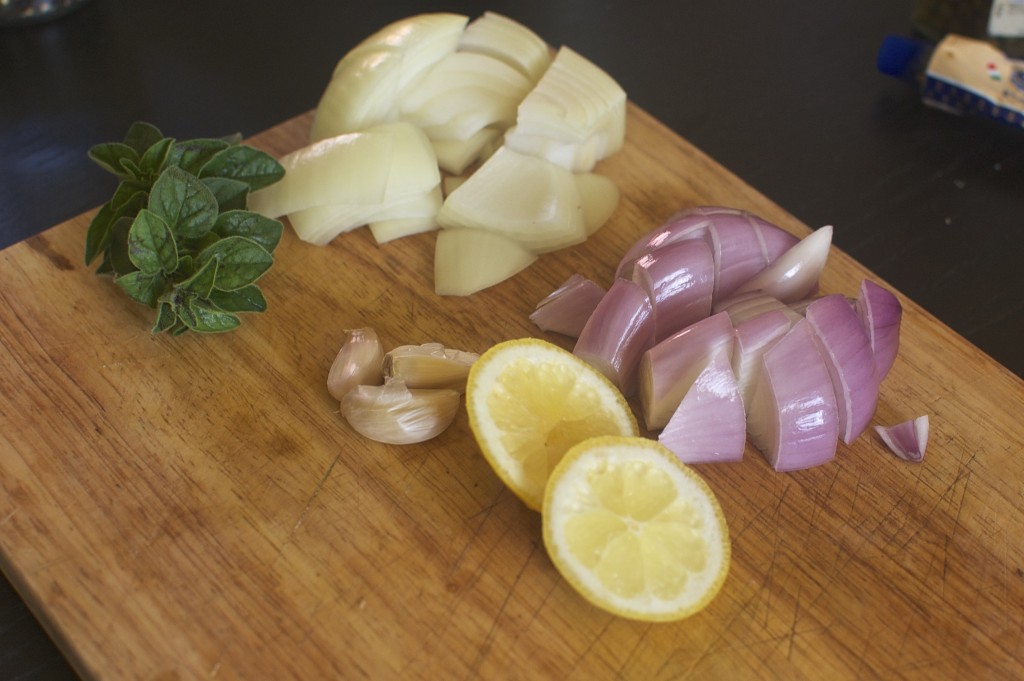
pixel 906 440
pixel 618 333
pixel 774 240
pixel 677 229
pixel 669 368
pixel 680 280
pixel 567 309
pixel 794 275
pixel 744 306
pixel 881 314
pixel 738 253
pixel 792 418
pixel 709 425
pixel 847 353
pixel 753 338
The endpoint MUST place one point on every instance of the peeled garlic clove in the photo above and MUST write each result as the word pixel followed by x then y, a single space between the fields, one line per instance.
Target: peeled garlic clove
pixel 395 414
pixel 358 362
pixel 429 365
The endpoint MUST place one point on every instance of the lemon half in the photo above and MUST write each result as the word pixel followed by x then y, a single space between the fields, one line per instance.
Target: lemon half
pixel 529 401
pixel 634 530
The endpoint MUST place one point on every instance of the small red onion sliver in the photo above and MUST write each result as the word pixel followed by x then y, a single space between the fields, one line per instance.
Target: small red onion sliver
pixel 737 251
pixel 847 353
pixel 669 368
pixel 792 418
pixel 709 425
pixel 567 309
pixel 794 275
pixel 906 440
pixel 753 338
pixel 881 314
pixel 680 279
pixel 618 333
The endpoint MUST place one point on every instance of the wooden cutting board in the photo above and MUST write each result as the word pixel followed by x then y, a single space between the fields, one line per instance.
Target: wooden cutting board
pixel 195 507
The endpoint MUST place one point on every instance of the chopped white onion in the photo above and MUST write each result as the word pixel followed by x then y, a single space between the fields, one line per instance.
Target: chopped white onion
pixel 470 260
pixel 709 425
pixel 881 312
pixel 567 309
pixel 618 332
pixel 503 38
pixel 906 440
pixel 792 417
pixel 574 116
pixel 523 198
pixel 847 353
pixel 671 366
pixel 367 82
pixel 680 280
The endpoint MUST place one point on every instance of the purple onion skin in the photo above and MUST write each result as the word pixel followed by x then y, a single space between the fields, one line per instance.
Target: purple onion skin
pixel 793 419
pixel 845 347
pixel 680 280
pixel 618 333
pixel 906 440
pixel 881 312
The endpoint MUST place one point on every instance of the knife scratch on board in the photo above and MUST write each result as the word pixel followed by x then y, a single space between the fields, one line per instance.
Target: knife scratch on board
pixel 305 508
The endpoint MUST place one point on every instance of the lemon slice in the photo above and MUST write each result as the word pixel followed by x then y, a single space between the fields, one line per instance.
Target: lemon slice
pixel 529 401
pixel 635 531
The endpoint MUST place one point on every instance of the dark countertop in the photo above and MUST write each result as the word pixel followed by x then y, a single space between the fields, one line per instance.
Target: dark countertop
pixel 783 94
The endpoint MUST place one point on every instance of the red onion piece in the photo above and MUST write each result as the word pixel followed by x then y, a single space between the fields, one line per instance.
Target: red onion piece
pixel 680 280
pixel 774 240
pixel 567 309
pixel 669 368
pixel 792 418
pixel 618 333
pixel 737 250
pixel 709 425
pixel 753 338
pixel 676 229
pixel 847 353
pixel 744 306
pixel 794 275
pixel 881 314
pixel 906 440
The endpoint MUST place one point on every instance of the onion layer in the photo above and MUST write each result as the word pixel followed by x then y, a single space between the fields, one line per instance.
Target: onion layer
pixel 792 417
pixel 881 313
pixel 567 309
pixel 618 332
pixel 906 440
pixel 847 353
pixel 709 425
pixel 680 280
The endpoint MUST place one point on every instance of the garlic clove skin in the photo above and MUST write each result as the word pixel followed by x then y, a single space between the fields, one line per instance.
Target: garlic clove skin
pixel 395 414
pixel 358 362
pixel 429 365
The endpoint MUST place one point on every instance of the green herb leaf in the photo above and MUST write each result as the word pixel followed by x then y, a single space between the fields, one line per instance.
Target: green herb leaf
pixel 263 230
pixel 165 318
pixel 252 166
pixel 152 162
pixel 231 194
pixel 151 245
pixel 111 156
pixel 141 136
pixel 98 236
pixel 246 299
pixel 142 286
pixel 200 284
pixel 192 155
pixel 242 261
pixel 120 259
pixel 186 204
pixel 203 317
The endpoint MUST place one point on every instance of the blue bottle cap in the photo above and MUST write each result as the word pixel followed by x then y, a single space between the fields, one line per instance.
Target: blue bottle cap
pixel 903 57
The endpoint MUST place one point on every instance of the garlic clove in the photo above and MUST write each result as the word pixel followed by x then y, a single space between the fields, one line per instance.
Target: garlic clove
pixel 395 414
pixel 358 362
pixel 429 365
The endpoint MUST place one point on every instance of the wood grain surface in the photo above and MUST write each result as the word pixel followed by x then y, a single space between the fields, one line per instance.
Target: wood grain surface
pixel 195 507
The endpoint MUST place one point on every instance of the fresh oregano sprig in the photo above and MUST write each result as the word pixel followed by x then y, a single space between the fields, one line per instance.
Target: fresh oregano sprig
pixel 176 235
